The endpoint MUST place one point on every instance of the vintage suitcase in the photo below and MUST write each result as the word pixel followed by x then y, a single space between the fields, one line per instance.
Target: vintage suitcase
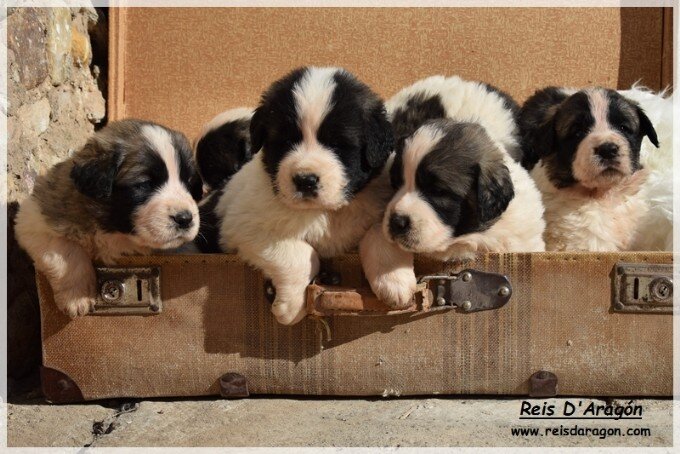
pixel 514 324
pixel 597 325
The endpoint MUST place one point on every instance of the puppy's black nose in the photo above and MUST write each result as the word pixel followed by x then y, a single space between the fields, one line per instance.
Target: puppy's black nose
pixel 183 219
pixel 607 150
pixel 399 224
pixel 306 183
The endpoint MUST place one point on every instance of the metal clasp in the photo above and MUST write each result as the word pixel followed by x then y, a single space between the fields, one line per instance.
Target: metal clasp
pixel 469 291
pixel 128 291
pixel 643 287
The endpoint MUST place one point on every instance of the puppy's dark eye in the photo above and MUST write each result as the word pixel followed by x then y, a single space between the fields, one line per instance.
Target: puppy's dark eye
pixel 142 185
pixel 624 128
pixel 577 133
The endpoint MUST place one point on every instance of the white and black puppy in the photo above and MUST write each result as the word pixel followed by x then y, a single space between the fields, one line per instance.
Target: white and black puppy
pixel 459 186
pixel 131 189
pixel 223 147
pixel 315 185
pixel 584 151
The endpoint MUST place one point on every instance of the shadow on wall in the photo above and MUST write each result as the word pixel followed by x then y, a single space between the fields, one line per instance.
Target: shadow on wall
pixel 642 56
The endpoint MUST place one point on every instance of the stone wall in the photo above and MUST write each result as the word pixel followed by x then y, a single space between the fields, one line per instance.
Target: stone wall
pixel 54 103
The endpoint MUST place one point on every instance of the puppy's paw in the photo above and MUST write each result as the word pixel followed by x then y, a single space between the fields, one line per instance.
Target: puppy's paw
pixel 76 301
pixel 288 312
pixel 74 306
pixel 395 288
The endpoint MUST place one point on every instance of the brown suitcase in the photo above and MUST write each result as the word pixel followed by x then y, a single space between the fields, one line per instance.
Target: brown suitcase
pixel 199 325
pixel 573 316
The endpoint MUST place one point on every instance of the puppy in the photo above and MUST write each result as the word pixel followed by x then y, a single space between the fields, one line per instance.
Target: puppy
pixel 459 186
pixel 131 189
pixel 584 151
pixel 223 147
pixel 316 184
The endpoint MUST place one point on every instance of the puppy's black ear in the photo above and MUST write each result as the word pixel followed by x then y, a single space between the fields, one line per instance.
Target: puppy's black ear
pixel 379 137
pixel 646 127
pixel 494 191
pixel 95 174
pixel 257 130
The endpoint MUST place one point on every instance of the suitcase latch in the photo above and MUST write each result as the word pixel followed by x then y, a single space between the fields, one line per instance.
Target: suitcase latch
pixel 643 287
pixel 128 291
pixel 469 291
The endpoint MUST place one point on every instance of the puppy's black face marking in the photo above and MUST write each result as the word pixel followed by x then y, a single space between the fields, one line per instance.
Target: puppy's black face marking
pixel 324 136
pixel 221 152
pixel 464 179
pixel 591 138
pixel 459 185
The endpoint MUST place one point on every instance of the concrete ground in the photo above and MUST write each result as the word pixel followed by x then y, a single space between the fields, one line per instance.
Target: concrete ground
pixel 267 421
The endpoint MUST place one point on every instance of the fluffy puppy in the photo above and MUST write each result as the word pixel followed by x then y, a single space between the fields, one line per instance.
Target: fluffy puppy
pixel 131 189
pixel 655 231
pixel 315 185
pixel 223 147
pixel 584 151
pixel 459 187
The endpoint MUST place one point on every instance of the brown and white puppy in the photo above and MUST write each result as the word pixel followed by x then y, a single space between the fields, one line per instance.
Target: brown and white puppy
pixel 131 189
pixel 315 184
pixel 459 187
pixel 583 150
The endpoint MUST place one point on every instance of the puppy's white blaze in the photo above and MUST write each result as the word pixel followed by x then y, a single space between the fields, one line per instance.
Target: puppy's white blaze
pixel 415 149
pixel 599 108
pixel 313 96
pixel 152 219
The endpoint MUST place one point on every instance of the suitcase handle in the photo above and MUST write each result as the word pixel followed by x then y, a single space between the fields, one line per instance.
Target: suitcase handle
pixel 468 291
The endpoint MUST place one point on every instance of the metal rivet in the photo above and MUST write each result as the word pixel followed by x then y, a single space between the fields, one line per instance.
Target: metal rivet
pixel 467 305
pixel 112 291
pixel 467 277
pixel 441 301
pixel 503 291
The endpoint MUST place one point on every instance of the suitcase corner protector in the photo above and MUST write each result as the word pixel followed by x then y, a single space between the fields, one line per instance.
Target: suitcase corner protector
pixel 59 388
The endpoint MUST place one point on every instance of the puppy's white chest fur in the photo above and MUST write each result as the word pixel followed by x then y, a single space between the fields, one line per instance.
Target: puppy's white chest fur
pixel 256 219
pixel 577 221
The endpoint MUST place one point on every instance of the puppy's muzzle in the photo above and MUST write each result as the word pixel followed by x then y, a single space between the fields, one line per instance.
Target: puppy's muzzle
pixel 607 152
pixel 307 184
pixel 399 225
pixel 183 220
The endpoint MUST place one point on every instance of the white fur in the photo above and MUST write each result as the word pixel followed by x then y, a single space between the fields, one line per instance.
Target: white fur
pixel 284 244
pixel 581 219
pixel 387 266
pixel 655 230
pixel 464 101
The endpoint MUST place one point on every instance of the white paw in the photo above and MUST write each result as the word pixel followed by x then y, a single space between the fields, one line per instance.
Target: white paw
pixel 288 312
pixel 74 306
pixel 395 288
pixel 76 301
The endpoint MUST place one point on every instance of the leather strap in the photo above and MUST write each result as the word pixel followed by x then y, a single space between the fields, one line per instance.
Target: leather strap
pixel 323 300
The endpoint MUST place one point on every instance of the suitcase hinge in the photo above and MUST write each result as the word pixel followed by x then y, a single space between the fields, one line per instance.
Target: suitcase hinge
pixel 469 291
